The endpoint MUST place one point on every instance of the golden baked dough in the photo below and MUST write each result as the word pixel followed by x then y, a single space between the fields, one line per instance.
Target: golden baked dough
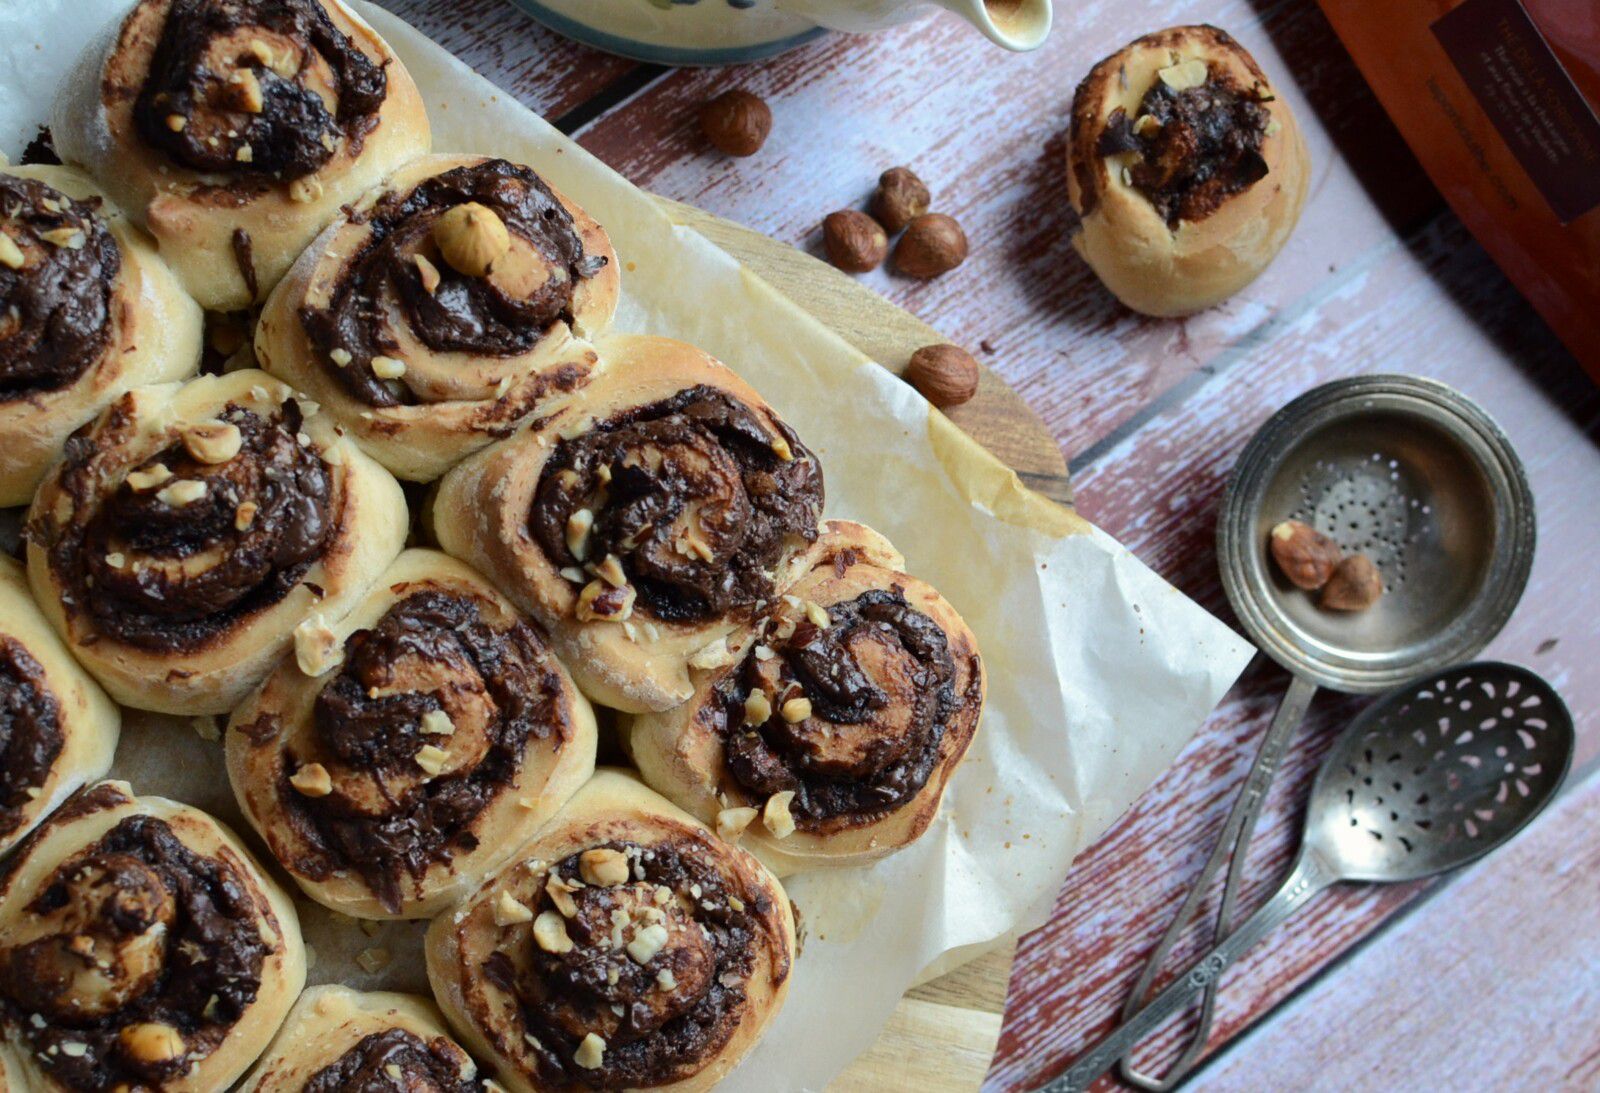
pixel 96 312
pixel 346 1039
pixel 639 522
pixel 438 736
pixel 624 905
pixel 824 735
pixel 169 962
pixel 233 130
pixel 194 532
pixel 425 363
pixel 1187 170
pixel 58 730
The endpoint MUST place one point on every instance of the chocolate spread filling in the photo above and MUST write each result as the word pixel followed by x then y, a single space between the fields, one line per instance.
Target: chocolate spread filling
pixel 55 311
pixel 393 1060
pixel 663 1033
pixel 30 731
pixel 174 937
pixel 691 498
pixel 476 315
pixel 862 751
pixel 379 735
pixel 243 87
pixel 1203 147
pixel 167 573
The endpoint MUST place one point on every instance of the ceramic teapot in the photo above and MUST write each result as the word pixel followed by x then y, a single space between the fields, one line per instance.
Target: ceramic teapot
pixel 703 32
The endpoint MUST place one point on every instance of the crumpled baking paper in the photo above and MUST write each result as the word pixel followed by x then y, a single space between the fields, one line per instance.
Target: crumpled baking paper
pixel 1099 671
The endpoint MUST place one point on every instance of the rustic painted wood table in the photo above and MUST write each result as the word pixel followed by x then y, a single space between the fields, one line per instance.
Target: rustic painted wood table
pixel 1486 979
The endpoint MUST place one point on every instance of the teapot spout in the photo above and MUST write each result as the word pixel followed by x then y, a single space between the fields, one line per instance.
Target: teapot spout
pixel 1015 24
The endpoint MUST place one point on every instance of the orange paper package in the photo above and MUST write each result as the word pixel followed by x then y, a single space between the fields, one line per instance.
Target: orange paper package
pixel 1500 100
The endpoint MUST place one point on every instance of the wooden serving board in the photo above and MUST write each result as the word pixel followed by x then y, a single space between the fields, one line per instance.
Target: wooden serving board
pixel 943 1034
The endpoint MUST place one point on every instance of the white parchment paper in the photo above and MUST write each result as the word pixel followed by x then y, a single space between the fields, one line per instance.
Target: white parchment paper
pixel 1099 671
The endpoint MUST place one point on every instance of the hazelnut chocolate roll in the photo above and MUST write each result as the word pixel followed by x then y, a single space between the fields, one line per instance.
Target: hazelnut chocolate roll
pixel 337 1040
pixel 191 528
pixel 825 734
pixel 443 309
pixel 627 948
pixel 393 764
pixel 87 311
pixel 233 130
pixel 141 948
pixel 1187 170
pixel 641 521
pixel 58 730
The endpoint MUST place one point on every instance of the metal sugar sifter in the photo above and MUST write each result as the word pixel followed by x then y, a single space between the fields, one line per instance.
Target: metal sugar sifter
pixel 1417 477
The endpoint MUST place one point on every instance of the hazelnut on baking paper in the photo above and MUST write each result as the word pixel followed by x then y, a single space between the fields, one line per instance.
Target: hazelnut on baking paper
pixel 736 122
pixel 854 242
pixel 946 375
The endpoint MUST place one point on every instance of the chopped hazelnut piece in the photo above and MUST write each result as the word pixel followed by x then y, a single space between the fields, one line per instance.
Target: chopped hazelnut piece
pixel 438 723
pixel 560 893
pixel 1185 74
pixel 388 368
pixel 796 710
pixel 776 817
pixel 316 647
pixel 246 89
pixel 731 822
pixel 152 1042
pixel 312 780
pixel 213 441
pixel 177 122
pixel 181 493
pixel 154 476
pixel 647 943
pixel 245 515
pixel 550 933
pixel 578 526
pixel 591 1052
pixel 666 980
pixel 11 255
pixel 757 708
pixel 603 867
pixel 508 910
pixel 339 356
pixel 428 272
pixel 431 759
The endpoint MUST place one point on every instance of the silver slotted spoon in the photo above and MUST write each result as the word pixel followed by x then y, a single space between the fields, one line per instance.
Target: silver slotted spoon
pixel 1424 780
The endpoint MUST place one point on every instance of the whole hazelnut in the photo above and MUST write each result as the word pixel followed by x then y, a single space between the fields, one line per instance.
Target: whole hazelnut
pixel 737 122
pixel 854 241
pixel 1355 585
pixel 933 244
pixel 1304 554
pixel 901 198
pixel 471 237
pixel 945 374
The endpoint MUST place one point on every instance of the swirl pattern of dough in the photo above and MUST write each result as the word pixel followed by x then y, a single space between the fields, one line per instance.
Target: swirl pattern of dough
pixel 337 1040
pixel 87 311
pixel 395 767
pixel 140 947
pixel 443 310
pixel 630 948
pixel 190 530
pixel 233 130
pixel 642 521
pixel 825 734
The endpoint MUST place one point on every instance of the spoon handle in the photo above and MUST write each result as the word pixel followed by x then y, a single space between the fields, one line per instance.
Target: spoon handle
pixel 1232 848
pixel 1308 877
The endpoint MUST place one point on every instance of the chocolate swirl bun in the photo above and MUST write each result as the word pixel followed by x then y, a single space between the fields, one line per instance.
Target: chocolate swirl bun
pixel 443 310
pixel 1187 170
pixel 141 947
pixel 405 756
pixel 642 521
pixel 190 529
pixel 337 1040
pixel 824 735
pixel 628 948
pixel 58 730
pixel 233 130
pixel 87 311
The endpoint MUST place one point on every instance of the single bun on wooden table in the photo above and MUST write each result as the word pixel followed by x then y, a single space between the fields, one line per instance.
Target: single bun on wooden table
pixel 194 532
pixel 88 310
pixel 435 734
pixel 337 1039
pixel 58 730
pixel 641 522
pixel 445 307
pixel 1187 170
pixel 233 130
pixel 825 734
pixel 627 948
pixel 141 947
